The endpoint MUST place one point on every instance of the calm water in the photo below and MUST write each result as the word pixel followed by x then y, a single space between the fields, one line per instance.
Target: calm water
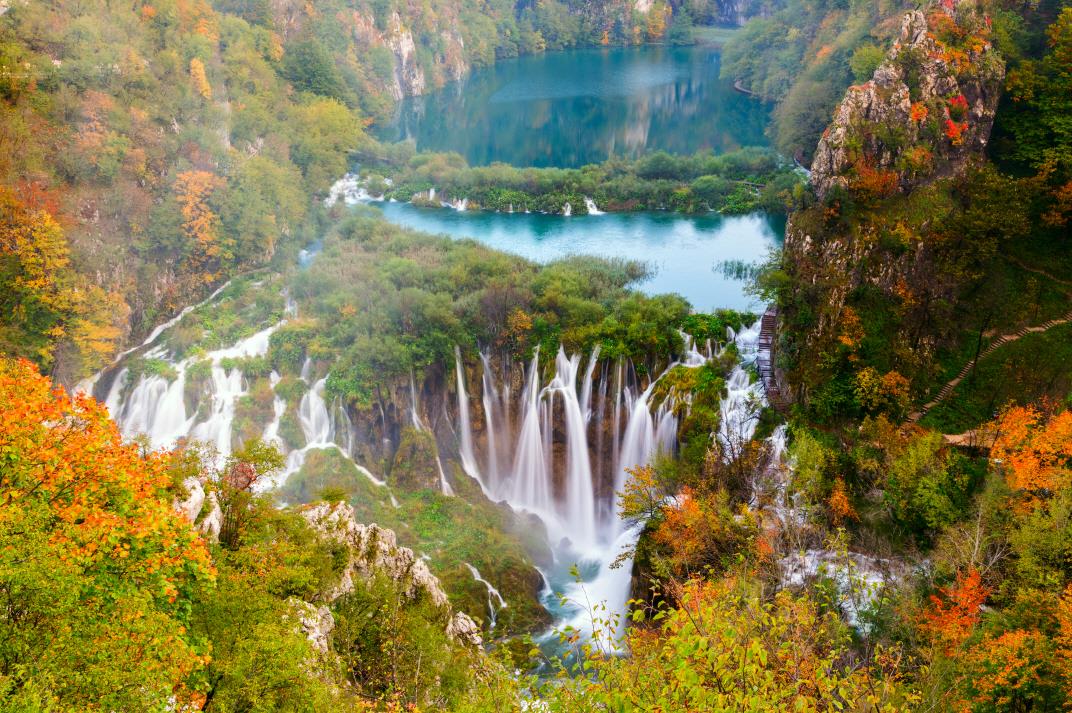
pixel 572 108
pixel 686 251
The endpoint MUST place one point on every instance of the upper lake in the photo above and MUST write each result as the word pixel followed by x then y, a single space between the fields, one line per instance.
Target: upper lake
pixel 568 109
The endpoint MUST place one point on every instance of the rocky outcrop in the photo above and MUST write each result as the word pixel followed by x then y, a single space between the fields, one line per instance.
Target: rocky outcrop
pixel 408 76
pixel 200 508
pixel 929 107
pixel 925 115
pixel 315 622
pixel 374 550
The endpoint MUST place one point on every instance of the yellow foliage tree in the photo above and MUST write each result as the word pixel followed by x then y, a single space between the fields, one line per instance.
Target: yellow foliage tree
pixel 201 224
pixel 200 79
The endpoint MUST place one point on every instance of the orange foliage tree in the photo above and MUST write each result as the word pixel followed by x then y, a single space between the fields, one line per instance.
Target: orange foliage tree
pixel 954 614
pixel 97 570
pixel 1034 449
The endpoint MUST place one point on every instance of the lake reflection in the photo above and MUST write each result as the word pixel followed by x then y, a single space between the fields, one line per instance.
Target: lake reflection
pixel 572 108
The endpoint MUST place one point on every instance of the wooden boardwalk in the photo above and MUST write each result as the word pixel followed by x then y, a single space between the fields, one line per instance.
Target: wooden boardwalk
pixel 768 330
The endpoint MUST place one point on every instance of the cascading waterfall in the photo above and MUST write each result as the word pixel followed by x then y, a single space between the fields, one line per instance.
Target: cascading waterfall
pixel 567 486
pixel 496 602
pixel 743 396
pixel 465 447
pixel 562 486
pixel 579 507
pixel 155 406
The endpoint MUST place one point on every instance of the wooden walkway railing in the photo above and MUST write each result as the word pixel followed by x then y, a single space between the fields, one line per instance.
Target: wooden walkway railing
pixel 768 329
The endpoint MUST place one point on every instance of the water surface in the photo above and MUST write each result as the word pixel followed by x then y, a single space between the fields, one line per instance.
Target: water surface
pixel 686 251
pixel 573 108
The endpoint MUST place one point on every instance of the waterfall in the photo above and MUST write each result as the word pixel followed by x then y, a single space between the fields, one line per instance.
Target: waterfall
pixel 586 389
pixel 557 475
pixel 740 409
pixel 593 209
pixel 493 596
pixel 493 411
pixel 314 418
pixel 579 510
pixel 567 210
pixel 465 426
pixel 156 406
pixel 528 483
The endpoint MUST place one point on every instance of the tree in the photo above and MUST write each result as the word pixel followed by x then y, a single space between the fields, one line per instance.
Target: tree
pixel 956 610
pixel 726 648
pixel 207 249
pixel 96 570
pixel 1034 449
pixel 43 300
pixel 1041 92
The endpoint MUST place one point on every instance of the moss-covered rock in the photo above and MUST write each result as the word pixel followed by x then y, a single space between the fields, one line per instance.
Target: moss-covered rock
pixel 414 466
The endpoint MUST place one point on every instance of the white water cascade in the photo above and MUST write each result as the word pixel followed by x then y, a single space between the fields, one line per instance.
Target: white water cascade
pixel 557 474
pixel 593 209
pixel 496 602
pixel 156 406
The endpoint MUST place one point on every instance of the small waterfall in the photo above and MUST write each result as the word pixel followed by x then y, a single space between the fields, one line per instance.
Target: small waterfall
pixel 465 426
pixel 313 415
pixel 739 410
pixel 496 603
pixel 567 210
pixel 593 209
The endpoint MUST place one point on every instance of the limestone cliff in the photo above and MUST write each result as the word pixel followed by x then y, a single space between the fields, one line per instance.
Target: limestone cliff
pixel 873 259
pixel 928 109
pixel 372 550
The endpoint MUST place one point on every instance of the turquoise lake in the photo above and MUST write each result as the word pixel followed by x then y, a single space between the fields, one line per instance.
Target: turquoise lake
pixel 686 252
pixel 568 109
pixel 572 108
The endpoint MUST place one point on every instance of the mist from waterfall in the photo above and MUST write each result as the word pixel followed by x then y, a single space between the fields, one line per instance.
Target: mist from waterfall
pixel 570 488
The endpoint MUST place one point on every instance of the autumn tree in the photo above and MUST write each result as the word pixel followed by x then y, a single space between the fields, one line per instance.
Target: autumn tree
pixel 207 249
pixel 956 610
pixel 96 569
pixel 1035 449
pixel 727 648
pixel 42 300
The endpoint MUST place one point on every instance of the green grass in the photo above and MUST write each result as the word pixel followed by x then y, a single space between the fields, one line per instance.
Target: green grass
pixel 1033 368
pixel 708 35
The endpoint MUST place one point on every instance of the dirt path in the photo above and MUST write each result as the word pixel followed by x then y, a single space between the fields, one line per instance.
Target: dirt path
pixel 1001 341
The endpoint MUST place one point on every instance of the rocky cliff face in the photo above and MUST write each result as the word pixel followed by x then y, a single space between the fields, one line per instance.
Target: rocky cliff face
pixel 369 550
pixel 873 244
pixel 409 77
pixel 928 109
